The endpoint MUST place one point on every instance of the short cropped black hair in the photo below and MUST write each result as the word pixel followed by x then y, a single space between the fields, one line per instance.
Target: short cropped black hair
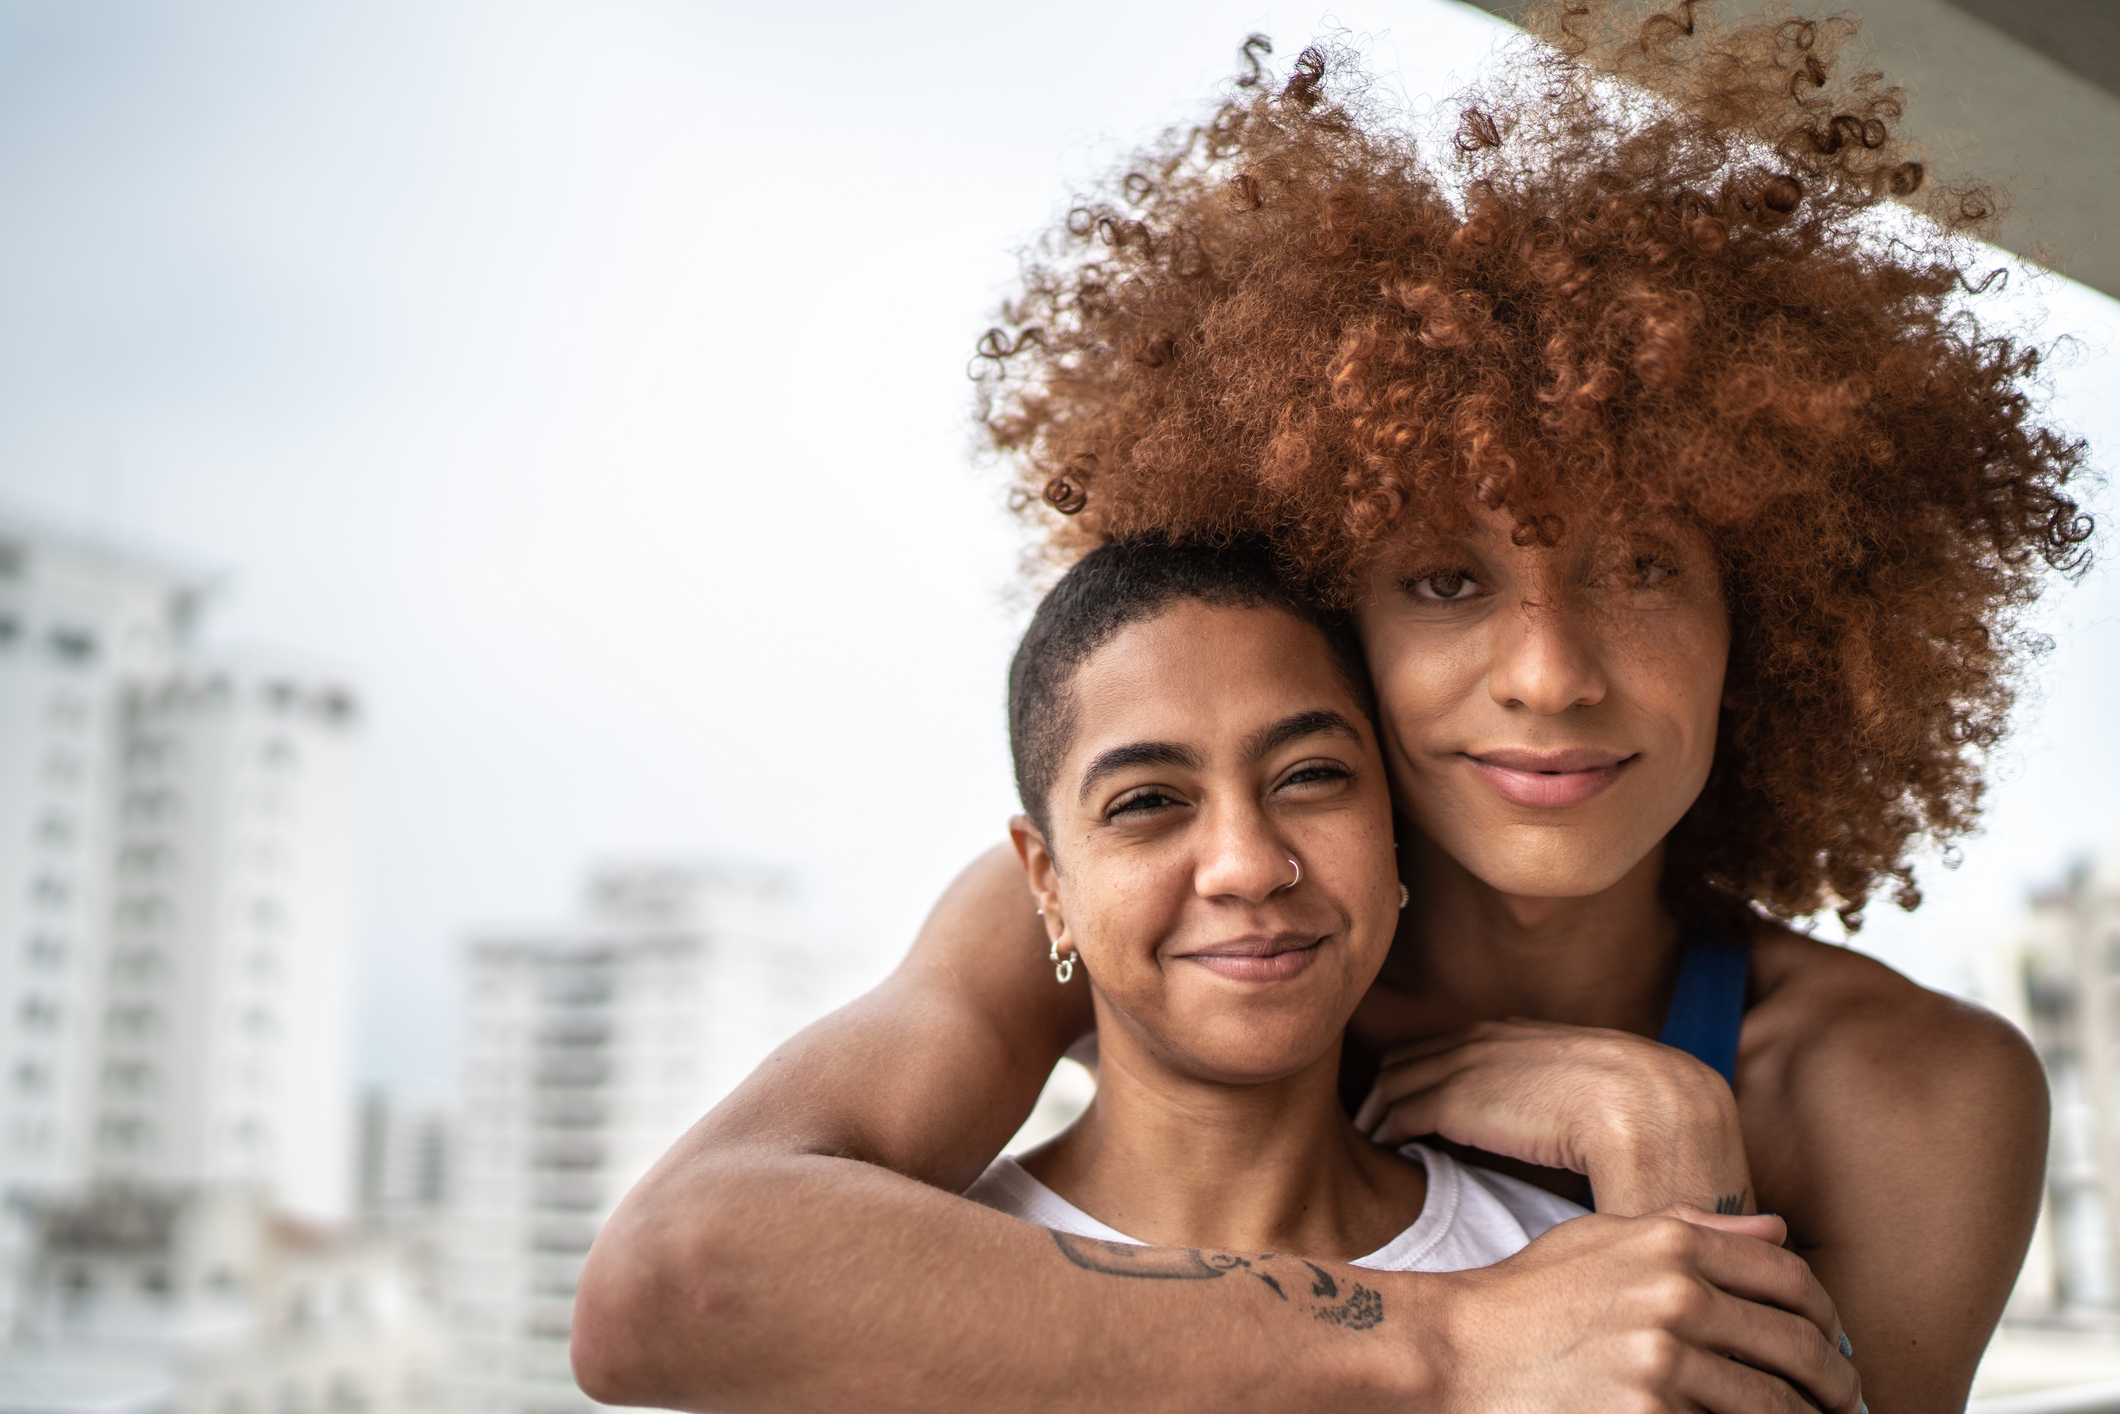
pixel 1123 583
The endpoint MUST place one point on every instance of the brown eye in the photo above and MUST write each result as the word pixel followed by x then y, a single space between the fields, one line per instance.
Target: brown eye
pixel 1652 571
pixel 1444 587
pixel 1141 802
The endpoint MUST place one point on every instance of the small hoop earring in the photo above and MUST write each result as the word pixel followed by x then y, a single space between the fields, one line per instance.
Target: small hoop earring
pixel 1063 967
pixel 1404 895
pixel 1298 867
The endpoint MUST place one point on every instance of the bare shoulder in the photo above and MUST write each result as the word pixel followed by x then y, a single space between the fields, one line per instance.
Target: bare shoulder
pixel 1830 1018
pixel 1845 1063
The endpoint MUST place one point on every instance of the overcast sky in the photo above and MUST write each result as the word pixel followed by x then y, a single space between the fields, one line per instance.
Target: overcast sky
pixel 587 381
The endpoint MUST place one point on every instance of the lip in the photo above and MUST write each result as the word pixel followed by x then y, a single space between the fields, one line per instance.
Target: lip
pixel 1272 958
pixel 1549 780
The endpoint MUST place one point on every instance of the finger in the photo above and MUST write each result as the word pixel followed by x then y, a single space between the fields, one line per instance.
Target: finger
pixel 1781 1344
pixel 1765 1227
pixel 1428 1046
pixel 1410 1117
pixel 1399 1082
pixel 1755 1271
pixel 1724 1386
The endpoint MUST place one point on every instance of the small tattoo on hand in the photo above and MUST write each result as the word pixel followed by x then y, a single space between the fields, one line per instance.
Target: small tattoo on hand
pixel 1732 1204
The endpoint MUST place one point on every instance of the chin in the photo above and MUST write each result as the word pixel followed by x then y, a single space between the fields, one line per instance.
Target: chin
pixel 1534 864
pixel 1258 1060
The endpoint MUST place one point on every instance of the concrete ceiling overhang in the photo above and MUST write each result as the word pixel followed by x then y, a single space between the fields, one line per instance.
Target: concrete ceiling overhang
pixel 2021 93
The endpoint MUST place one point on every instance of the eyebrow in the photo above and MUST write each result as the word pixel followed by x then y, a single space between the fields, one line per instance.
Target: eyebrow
pixel 1258 744
pixel 1139 753
pixel 1295 728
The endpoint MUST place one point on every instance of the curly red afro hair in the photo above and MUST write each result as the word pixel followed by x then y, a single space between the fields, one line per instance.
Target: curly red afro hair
pixel 1649 275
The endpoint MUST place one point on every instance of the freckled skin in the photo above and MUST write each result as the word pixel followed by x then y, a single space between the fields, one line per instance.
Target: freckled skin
pixel 1223 977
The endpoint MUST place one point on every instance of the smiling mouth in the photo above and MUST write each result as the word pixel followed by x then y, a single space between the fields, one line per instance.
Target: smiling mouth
pixel 1258 959
pixel 1549 780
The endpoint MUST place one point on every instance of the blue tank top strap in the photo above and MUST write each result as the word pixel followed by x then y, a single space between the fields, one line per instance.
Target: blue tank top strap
pixel 1709 1005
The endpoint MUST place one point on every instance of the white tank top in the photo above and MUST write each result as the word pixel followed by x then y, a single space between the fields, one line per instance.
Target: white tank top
pixel 1472 1217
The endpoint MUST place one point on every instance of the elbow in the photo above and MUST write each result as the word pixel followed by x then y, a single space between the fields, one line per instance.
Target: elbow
pixel 645 1328
pixel 609 1345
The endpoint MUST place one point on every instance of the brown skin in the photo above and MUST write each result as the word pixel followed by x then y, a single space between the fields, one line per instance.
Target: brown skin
pixel 784 1254
pixel 1855 1091
pixel 802 1249
pixel 1211 748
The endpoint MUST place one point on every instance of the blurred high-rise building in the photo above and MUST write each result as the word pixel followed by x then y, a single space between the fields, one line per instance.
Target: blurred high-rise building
pixel 227 1006
pixel 589 1048
pixel 176 857
pixel 2058 977
pixel 79 626
pixel 176 901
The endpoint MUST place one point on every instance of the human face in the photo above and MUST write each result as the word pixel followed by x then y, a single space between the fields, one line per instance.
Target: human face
pixel 1211 747
pixel 1549 714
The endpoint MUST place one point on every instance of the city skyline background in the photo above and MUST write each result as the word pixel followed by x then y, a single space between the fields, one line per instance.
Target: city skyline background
pixel 586 381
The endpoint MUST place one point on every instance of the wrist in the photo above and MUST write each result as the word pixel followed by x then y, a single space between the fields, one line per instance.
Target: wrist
pixel 1397 1365
pixel 1674 1139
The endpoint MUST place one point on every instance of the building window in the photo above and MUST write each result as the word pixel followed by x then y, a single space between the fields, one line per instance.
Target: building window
pixel 45 952
pixel 127 1132
pixel 10 630
pixel 129 1077
pixel 55 830
pixel 39 1013
pixel 49 891
pixel 150 807
pixel 62 770
pixel 137 1020
pixel 146 912
pixel 75 647
pixel 140 965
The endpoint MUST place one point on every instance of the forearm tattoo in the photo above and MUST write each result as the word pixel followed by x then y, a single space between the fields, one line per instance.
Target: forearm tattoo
pixel 1315 1289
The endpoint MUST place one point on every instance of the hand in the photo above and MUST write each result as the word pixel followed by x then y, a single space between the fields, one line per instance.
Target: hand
pixel 1647 1124
pixel 1681 1310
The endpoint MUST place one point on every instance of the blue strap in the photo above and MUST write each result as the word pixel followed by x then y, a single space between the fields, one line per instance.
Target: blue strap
pixel 1709 1005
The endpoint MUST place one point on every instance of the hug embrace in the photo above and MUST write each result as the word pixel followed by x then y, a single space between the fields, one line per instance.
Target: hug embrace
pixel 1513 578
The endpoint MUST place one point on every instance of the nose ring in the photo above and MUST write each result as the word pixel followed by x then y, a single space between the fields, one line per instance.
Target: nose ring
pixel 1296 880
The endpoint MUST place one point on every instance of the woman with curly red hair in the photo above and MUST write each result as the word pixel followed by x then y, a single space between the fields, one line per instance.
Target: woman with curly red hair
pixel 1685 510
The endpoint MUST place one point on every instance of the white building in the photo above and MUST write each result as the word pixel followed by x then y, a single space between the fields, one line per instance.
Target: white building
pixel 77 625
pixel 228 996
pixel 176 893
pixel 2058 977
pixel 149 1300
pixel 589 1049
pixel 176 1116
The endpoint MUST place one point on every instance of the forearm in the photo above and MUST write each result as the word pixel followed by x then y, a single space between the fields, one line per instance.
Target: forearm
pixel 800 1282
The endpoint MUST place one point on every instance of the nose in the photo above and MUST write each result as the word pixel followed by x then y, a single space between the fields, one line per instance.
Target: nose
pixel 1546 658
pixel 1242 856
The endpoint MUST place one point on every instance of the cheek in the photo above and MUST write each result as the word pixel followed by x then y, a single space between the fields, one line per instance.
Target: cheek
pixel 1421 679
pixel 1677 671
pixel 1119 907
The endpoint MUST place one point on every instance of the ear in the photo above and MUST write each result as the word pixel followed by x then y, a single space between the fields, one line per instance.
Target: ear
pixel 1042 872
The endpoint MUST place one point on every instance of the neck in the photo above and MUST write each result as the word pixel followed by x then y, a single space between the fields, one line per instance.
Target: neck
pixel 1606 959
pixel 1171 1159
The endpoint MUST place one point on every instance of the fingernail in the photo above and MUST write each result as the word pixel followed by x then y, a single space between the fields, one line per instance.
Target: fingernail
pixel 1862 1409
pixel 1847 1351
